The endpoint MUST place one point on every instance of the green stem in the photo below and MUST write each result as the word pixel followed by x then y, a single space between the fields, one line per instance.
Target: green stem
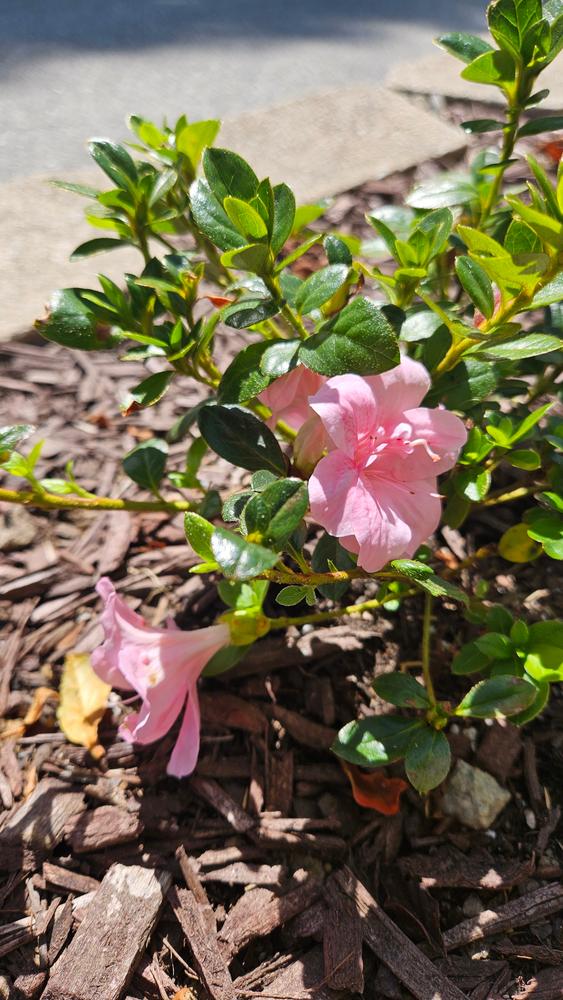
pixel 425 654
pixel 326 616
pixel 50 501
pixel 509 495
pixel 513 113
pixel 273 286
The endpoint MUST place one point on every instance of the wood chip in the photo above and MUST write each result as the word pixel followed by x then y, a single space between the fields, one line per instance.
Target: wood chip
pixel 500 749
pixel 263 919
pixel 240 873
pixel 518 913
pixel 387 941
pixel 342 943
pixel 230 712
pixel 280 781
pixel 207 957
pixel 36 828
pixel 104 827
pixel 62 878
pixel 307 733
pixel 213 794
pixel 112 936
pixel 545 985
pixel 449 868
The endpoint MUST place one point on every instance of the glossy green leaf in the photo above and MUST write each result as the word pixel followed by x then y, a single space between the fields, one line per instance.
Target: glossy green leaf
pixel 467 384
pixel 443 192
pixel 463 45
pixel 517 546
pixel 420 324
pixel 11 436
pixel 211 218
pixel 473 483
pixel 288 597
pixel 537 706
pixel 401 690
pixel 359 339
pixel 284 216
pixel 245 218
pixel 544 660
pixel 470 659
pixel 336 250
pixel 241 438
pixel 496 68
pixel 278 357
pixel 477 126
pixel 550 293
pixel 249 311
pixel 228 174
pixel 145 464
pixel 320 287
pixel 100 245
pixel 531 345
pixel 328 553
pixel 529 423
pixel 252 257
pixel 198 534
pixel 428 760
pixel 192 139
pixel 496 698
pixel 273 515
pixel 477 284
pixel 377 740
pixel 510 22
pixel 115 161
pixel 239 559
pixel 72 323
pixel 224 659
pixel 243 379
pixel 546 526
pixel 148 392
pixel 524 458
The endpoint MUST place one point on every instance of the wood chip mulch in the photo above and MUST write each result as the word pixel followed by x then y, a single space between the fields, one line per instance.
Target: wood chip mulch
pixel 259 876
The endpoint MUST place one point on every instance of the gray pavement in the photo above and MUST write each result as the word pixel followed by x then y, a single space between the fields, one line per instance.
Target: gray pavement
pixel 71 69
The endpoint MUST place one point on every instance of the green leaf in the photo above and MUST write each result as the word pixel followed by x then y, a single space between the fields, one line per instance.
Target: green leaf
pixel 546 527
pixel 288 597
pixel 377 740
pixel 72 323
pixel 517 546
pixel 115 161
pixel 495 68
pixel 443 192
pixel 420 324
pixel 81 189
pixel 428 760
pixel 148 392
pixel 401 690
pixel 328 552
pixel 224 659
pixel 550 293
pixel 278 357
pixel 524 458
pixel 320 287
pixel 472 483
pixel 243 378
pixel 198 534
pixel 496 698
pixel 243 596
pixel 145 464
pixel 359 339
pixel 470 659
pixel 249 311
pixel 238 558
pixel 245 218
pixel 520 239
pixel 99 245
pixel 241 438
pixel 544 660
pixel 274 514
pixel 476 283
pixel 337 251
pixel 228 174
pixel 295 254
pixel 550 123
pixel 463 45
pixel 211 218
pixel 438 587
pixel 11 436
pixel 477 126
pixel 253 257
pixel 541 699
pixel 531 345
pixel 467 384
pixel 192 139
pixel 510 22
pixel 529 423
pixel 284 216
pixel 412 569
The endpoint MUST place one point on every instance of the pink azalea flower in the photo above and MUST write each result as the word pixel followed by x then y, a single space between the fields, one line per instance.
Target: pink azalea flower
pixel 288 396
pixel 163 666
pixel 376 490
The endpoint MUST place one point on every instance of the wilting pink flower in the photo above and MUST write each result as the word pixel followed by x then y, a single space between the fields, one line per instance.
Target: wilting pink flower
pixel 162 665
pixel 288 396
pixel 376 490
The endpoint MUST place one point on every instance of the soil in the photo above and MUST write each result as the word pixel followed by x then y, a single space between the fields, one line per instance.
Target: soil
pixel 260 875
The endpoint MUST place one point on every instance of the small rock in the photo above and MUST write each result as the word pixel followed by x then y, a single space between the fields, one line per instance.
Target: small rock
pixel 18 529
pixel 530 817
pixel 473 797
pixel 472 906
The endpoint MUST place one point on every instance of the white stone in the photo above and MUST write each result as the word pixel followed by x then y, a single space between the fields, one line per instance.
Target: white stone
pixel 473 796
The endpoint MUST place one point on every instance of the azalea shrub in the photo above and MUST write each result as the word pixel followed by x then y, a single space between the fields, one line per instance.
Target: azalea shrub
pixel 404 385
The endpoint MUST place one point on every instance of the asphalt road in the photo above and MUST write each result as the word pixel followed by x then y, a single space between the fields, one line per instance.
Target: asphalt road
pixel 72 69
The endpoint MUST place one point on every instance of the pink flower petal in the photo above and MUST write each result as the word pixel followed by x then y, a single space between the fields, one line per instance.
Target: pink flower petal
pixel 288 396
pixel 337 498
pixel 183 758
pixel 347 408
pixel 309 445
pixel 400 389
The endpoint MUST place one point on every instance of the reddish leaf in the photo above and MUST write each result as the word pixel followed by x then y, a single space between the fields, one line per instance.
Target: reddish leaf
pixel 372 790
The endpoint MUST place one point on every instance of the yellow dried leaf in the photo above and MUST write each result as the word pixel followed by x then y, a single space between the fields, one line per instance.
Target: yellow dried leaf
pixel 83 702
pixel 517 546
pixel 14 728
